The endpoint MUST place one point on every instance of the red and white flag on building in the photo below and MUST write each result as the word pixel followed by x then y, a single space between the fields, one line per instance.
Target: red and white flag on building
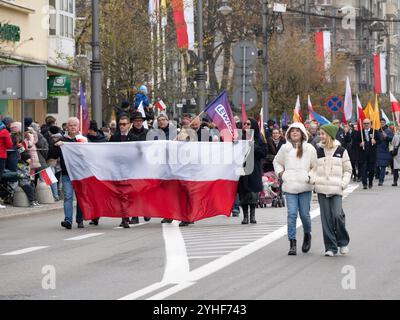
pixel 48 176
pixel 380 73
pixel 185 181
pixel 184 23
pixel 323 48
pixel 161 105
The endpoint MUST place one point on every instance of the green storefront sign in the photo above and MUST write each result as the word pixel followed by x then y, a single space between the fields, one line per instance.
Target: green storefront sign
pixel 59 86
pixel 10 32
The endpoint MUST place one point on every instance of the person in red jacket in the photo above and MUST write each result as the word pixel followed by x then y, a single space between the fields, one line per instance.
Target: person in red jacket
pixel 5 144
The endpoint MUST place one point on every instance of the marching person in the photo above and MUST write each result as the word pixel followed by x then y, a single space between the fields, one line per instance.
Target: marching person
pixel 274 144
pixel 251 185
pixel 124 135
pixel 293 164
pixel 383 156
pixel 396 157
pixel 366 141
pixel 73 135
pixel 330 176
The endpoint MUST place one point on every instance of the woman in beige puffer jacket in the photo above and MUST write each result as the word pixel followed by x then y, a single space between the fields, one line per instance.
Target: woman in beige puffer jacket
pixel 330 177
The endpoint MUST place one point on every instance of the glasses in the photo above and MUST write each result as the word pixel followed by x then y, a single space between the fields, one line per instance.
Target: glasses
pixel 123 124
pixel 247 124
pixel 367 122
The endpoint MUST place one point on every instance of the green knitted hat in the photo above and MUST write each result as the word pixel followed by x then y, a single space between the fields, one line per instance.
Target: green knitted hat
pixel 331 130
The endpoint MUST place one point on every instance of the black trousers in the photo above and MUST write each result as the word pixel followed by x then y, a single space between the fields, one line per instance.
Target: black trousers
pixel 395 175
pixel 2 166
pixel 367 170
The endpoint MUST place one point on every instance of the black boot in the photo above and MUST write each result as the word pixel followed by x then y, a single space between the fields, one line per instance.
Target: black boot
pixel 307 243
pixel 253 215
pixel 293 248
pixel 246 218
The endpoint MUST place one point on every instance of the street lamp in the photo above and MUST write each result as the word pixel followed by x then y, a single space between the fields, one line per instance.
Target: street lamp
pixel 96 83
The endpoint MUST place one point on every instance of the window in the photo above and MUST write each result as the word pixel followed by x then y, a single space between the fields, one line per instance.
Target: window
pixel 53 24
pixel 52 3
pixel 52 105
pixel 70 28
pixel 62 30
pixel 71 6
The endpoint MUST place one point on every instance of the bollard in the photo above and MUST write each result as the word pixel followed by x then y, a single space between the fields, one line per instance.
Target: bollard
pixel 20 199
pixel 43 193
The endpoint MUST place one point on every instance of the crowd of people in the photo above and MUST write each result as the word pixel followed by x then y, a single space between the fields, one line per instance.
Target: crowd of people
pixel 307 158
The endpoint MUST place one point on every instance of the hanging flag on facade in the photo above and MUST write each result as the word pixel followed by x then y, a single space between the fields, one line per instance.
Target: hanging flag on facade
pixel 323 48
pixel 184 23
pixel 380 73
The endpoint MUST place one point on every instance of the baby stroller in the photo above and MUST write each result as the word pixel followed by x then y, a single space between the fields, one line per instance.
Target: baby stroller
pixel 272 193
pixel 8 184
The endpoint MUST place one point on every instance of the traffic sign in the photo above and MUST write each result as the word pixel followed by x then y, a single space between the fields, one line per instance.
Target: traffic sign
pixel 335 104
pixel 251 98
pixel 245 53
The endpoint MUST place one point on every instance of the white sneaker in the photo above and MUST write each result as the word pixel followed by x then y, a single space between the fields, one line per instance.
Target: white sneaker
pixel 344 250
pixel 2 207
pixel 329 254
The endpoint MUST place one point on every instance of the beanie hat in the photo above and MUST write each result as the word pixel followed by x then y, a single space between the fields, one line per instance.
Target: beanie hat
pixel 143 89
pixel 331 130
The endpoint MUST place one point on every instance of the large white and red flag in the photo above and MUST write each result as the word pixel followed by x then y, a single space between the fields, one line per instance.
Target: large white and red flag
pixel 185 181
pixel 380 73
pixel 184 23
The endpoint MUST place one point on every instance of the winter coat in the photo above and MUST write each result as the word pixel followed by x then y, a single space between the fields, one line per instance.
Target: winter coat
pixel 5 141
pixel 396 159
pixel 295 172
pixel 332 172
pixel 31 141
pixel 117 137
pixel 368 153
pixel 383 156
pixel 272 151
pixel 55 151
pixel 140 97
pixel 99 138
pixel 252 182
pixel 141 135
pixel 352 148
pixel 343 138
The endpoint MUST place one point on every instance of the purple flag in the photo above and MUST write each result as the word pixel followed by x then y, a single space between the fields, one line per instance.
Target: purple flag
pixel 83 112
pixel 285 119
pixel 221 114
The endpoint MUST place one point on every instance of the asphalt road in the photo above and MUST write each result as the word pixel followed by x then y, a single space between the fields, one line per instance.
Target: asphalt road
pixel 225 260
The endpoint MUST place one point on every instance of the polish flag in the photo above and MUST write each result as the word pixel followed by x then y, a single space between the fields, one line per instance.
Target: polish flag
pixel 48 176
pixel 360 115
pixel 395 103
pixel 380 73
pixel 184 23
pixel 184 181
pixel 310 109
pixel 161 105
pixel 323 48
pixel 348 102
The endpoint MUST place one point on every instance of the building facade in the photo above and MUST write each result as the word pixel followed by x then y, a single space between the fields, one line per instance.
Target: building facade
pixel 42 33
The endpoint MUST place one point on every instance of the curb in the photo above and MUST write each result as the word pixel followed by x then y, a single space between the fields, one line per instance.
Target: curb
pixel 26 212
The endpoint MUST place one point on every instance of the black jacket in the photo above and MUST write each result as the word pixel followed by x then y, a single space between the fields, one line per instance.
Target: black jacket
pixel 117 137
pixel 367 154
pixel 272 151
pixel 97 139
pixel 253 181
pixel 141 135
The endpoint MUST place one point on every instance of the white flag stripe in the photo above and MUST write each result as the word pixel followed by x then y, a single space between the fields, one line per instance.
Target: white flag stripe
pixel 141 110
pixel 190 161
pixel 189 18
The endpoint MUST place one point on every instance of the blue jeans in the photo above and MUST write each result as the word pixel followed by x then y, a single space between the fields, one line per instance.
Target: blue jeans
pixel 236 206
pixel 298 203
pixel 382 173
pixel 69 201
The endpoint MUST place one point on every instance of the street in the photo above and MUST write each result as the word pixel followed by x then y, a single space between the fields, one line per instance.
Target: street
pixel 214 259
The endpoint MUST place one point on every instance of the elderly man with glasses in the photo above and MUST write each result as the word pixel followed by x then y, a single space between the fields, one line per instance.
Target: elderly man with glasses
pixel 367 140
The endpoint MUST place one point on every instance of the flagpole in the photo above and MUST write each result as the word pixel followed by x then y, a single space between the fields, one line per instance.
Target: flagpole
pixel 362 134
pixel 395 122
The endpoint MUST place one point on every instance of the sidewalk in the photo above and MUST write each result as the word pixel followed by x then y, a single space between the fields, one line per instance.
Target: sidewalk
pixel 11 211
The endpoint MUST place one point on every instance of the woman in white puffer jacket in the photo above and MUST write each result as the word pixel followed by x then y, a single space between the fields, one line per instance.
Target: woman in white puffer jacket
pixel 331 176
pixel 293 164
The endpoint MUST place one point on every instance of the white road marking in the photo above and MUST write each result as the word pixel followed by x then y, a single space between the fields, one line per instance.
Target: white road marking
pixel 23 251
pixel 190 278
pixel 204 257
pixel 86 236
